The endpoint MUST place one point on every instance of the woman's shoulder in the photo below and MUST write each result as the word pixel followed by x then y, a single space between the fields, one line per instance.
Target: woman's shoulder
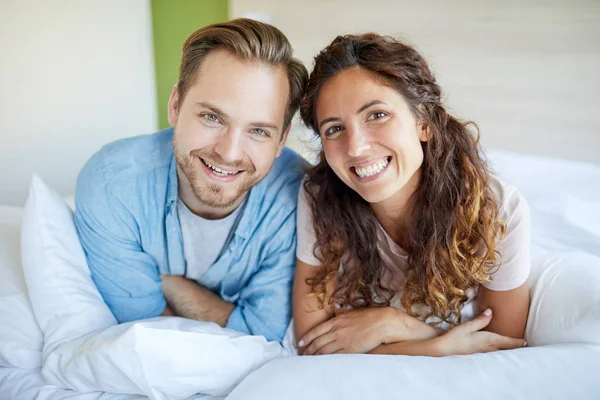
pixel 304 227
pixel 515 262
pixel 512 205
pixel 308 189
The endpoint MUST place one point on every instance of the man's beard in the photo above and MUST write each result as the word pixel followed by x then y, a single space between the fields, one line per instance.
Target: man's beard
pixel 212 194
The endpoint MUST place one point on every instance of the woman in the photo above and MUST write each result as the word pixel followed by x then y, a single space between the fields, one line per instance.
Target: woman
pixel 403 234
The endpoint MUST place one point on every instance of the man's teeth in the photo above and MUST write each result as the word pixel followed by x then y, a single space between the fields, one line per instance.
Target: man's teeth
pixel 371 169
pixel 219 171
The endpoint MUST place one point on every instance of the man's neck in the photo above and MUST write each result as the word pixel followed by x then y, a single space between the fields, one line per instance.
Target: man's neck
pixel 187 196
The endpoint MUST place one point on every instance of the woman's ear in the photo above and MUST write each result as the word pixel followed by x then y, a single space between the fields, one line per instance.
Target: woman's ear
pixel 422 127
pixel 424 132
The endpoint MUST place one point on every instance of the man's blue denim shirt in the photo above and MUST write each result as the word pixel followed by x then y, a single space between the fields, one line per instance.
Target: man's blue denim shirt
pixel 126 217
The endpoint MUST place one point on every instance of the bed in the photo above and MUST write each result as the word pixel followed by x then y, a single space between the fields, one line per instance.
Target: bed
pixel 40 359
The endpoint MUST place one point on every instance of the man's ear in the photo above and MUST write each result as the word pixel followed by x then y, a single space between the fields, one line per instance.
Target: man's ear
pixel 174 106
pixel 283 140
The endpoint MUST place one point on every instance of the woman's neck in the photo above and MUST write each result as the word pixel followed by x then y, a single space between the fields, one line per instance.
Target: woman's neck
pixel 395 214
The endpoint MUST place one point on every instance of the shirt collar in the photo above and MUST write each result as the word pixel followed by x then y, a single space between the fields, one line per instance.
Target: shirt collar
pixel 172 188
pixel 250 212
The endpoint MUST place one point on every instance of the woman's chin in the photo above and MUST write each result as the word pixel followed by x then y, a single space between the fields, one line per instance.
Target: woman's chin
pixel 372 196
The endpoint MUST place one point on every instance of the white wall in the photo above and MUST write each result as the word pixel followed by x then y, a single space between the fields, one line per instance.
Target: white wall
pixel 74 75
pixel 528 72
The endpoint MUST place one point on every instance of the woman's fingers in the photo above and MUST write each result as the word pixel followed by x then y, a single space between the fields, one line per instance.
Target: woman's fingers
pixel 330 348
pixel 315 332
pixel 508 343
pixel 477 324
pixel 318 344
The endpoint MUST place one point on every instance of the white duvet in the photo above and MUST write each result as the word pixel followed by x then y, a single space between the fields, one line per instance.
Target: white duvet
pixel 161 358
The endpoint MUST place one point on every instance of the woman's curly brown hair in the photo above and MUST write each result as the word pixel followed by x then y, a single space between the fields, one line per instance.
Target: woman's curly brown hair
pixel 453 241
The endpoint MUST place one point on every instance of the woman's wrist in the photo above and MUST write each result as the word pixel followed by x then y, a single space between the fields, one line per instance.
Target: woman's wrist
pixel 428 347
pixel 389 329
pixel 401 327
pixel 437 346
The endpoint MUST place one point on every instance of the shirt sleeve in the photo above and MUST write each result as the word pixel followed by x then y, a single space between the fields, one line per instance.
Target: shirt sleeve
pixel 264 306
pixel 514 249
pixel 126 276
pixel 305 230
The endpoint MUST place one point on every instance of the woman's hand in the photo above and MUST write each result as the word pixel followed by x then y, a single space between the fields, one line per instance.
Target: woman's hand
pixel 360 331
pixel 356 331
pixel 468 338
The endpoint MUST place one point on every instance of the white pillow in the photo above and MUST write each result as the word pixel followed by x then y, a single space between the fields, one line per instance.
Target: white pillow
pixel 86 350
pixel 565 299
pixel 166 357
pixel 66 303
pixel 20 336
pixel 567 371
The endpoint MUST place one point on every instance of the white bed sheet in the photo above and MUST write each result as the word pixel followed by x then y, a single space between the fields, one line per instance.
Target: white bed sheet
pixel 20 337
pixel 563 196
pixel 18 383
pixel 28 384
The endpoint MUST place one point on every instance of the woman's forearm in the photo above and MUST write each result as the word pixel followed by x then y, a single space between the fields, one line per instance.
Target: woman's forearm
pixel 403 327
pixel 425 347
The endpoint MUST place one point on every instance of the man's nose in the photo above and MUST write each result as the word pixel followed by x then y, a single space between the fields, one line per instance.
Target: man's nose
pixel 229 146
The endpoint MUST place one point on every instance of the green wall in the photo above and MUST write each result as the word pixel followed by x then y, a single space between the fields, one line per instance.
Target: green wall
pixel 172 22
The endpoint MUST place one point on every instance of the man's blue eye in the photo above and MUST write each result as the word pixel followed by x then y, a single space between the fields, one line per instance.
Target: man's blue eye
pixel 259 132
pixel 211 118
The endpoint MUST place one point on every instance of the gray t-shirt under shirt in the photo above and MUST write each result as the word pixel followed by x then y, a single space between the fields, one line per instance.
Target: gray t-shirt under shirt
pixel 203 239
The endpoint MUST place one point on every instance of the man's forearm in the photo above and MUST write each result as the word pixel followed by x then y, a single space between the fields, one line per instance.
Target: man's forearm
pixel 186 298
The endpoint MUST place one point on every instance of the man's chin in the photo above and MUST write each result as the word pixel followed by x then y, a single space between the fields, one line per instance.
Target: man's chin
pixel 220 200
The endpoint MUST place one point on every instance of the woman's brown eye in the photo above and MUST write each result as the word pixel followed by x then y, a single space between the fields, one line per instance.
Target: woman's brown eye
pixel 377 115
pixel 333 130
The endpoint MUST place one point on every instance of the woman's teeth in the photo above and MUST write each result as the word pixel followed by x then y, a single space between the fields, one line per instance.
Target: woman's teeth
pixel 371 169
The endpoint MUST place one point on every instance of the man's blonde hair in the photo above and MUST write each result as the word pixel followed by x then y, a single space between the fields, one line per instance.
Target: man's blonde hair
pixel 250 40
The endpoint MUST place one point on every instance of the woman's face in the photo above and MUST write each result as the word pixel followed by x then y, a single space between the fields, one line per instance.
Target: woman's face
pixel 371 138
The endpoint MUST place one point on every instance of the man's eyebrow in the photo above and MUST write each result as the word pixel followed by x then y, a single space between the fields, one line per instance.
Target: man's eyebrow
pixel 223 114
pixel 213 108
pixel 265 125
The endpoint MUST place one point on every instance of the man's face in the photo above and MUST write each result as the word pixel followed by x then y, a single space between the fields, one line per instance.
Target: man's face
pixel 228 129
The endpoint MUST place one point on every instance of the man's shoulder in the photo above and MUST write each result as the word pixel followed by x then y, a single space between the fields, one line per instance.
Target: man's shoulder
pixel 126 159
pixel 274 200
pixel 136 154
pixel 282 183
pixel 127 169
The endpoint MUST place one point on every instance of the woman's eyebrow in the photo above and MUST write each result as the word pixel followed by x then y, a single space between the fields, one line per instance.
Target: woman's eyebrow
pixel 369 104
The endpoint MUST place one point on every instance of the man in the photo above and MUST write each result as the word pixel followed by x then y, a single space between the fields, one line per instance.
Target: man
pixel 199 220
